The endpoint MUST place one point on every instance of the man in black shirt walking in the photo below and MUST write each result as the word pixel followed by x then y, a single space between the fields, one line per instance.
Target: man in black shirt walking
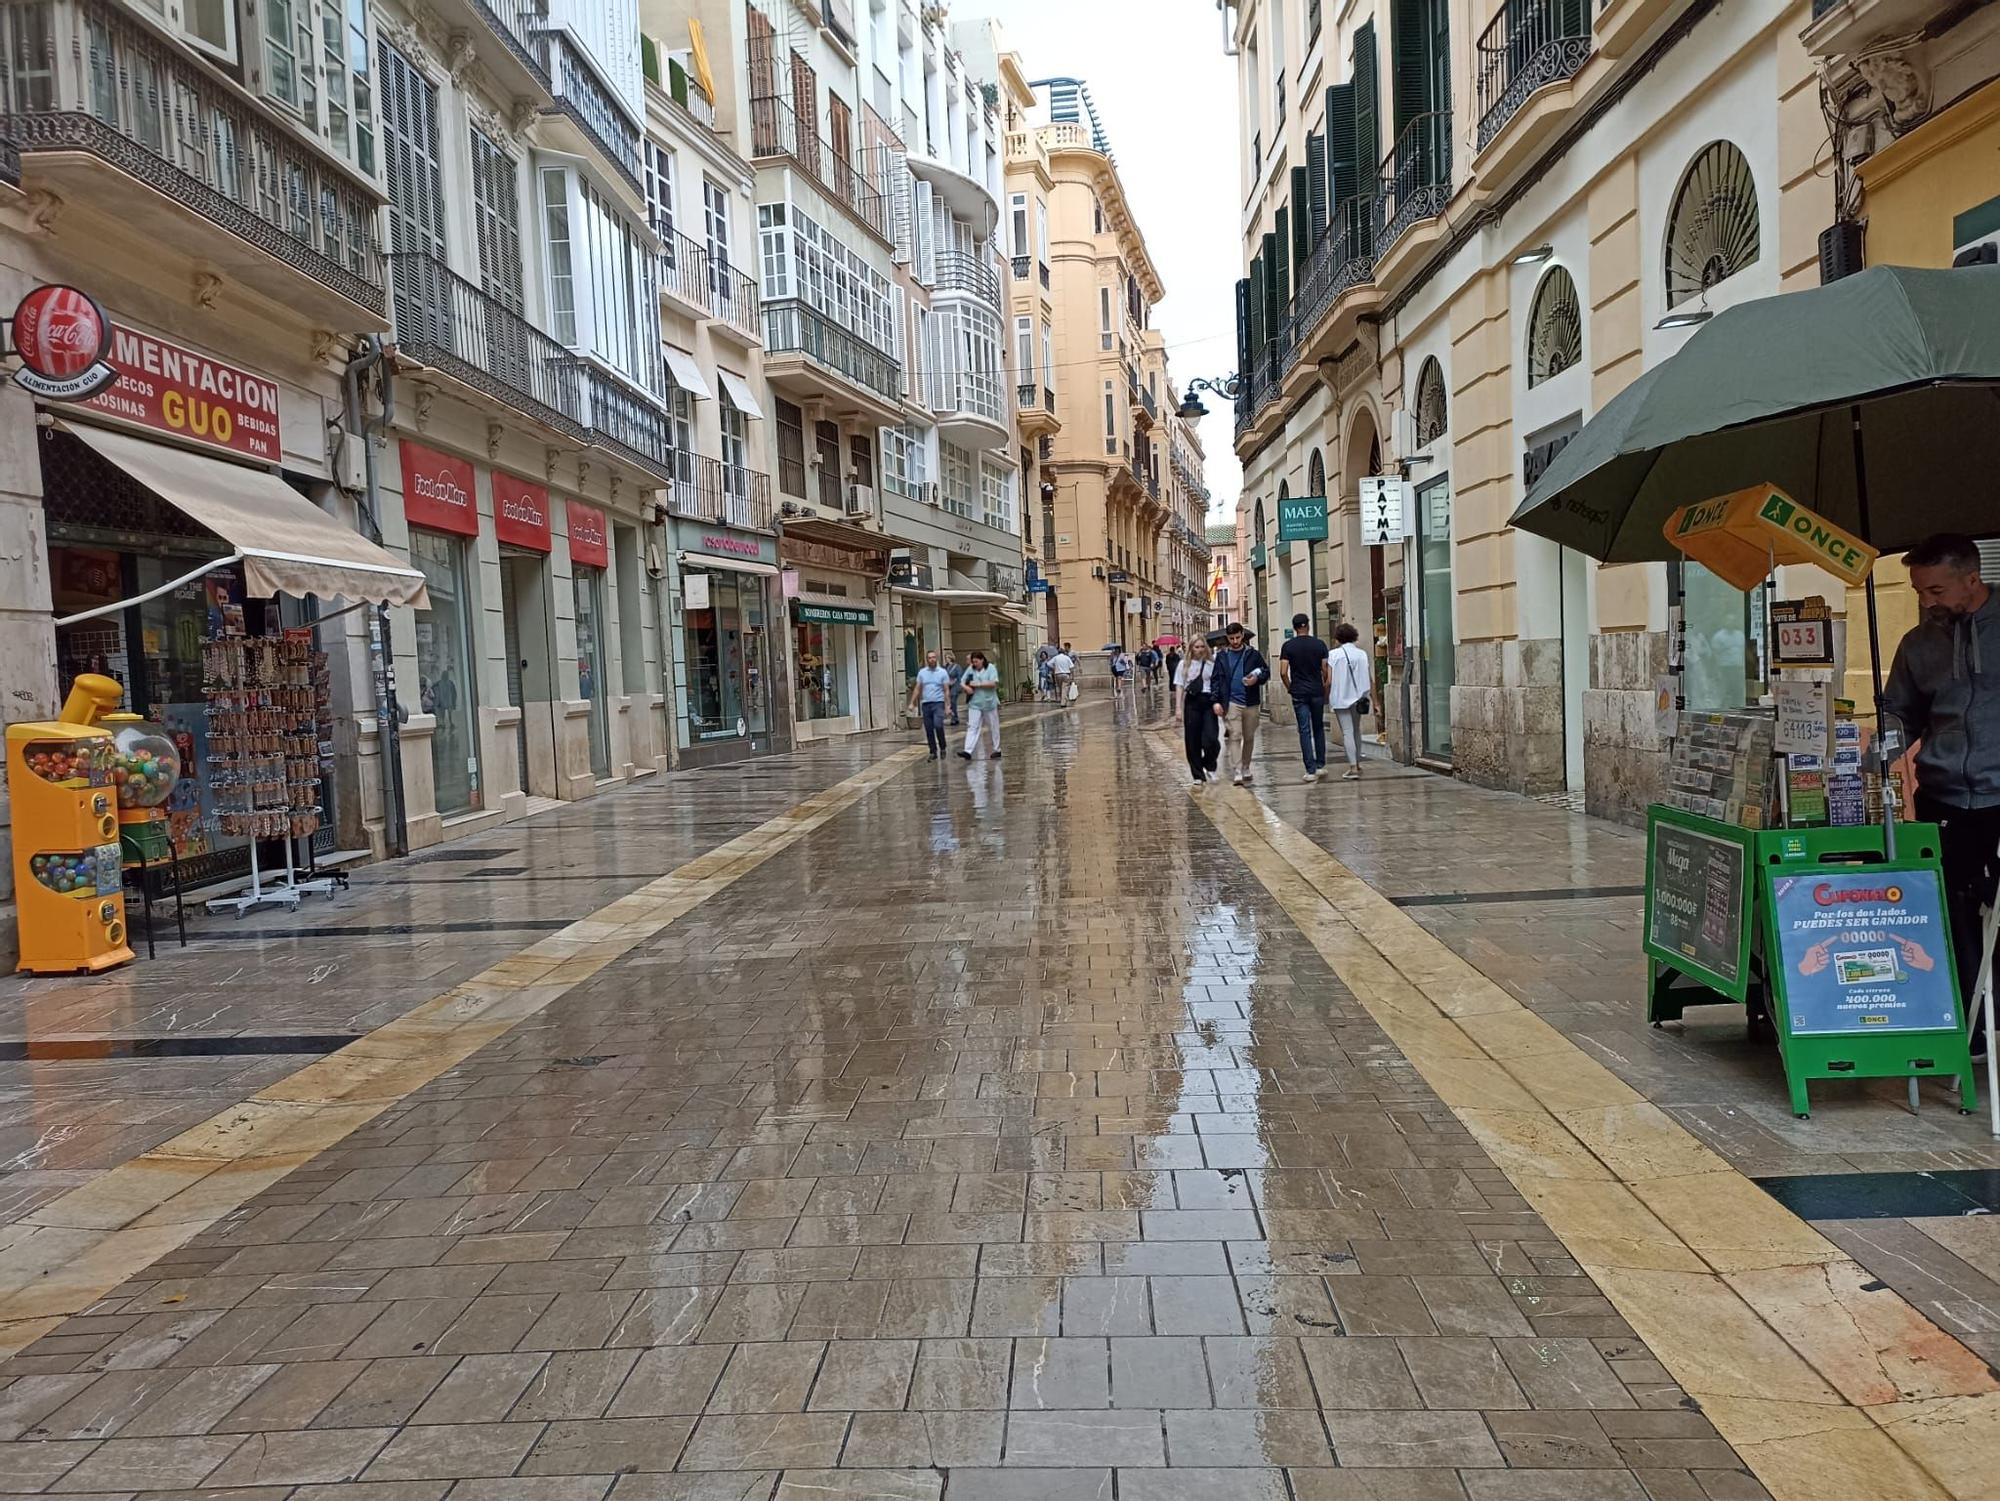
pixel 1308 676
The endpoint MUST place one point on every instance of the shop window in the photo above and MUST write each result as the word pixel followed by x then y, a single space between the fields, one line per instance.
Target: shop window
pixel 588 587
pixel 824 654
pixel 727 650
pixel 446 687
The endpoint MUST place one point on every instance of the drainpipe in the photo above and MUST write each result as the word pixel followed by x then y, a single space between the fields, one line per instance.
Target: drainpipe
pixel 381 652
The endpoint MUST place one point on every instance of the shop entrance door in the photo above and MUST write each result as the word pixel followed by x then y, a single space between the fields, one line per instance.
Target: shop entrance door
pixel 510 618
pixel 446 687
pixel 591 686
pixel 756 658
pixel 1438 648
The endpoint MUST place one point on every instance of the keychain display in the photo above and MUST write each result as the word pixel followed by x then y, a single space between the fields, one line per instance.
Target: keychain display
pixel 268 701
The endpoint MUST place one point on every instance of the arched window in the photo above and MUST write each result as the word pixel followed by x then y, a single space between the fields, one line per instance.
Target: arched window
pixel 1555 327
pixel 1257 523
pixel 1315 474
pixel 1712 232
pixel 1431 414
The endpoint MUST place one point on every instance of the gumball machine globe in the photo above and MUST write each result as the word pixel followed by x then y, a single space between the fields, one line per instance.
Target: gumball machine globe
pixel 145 765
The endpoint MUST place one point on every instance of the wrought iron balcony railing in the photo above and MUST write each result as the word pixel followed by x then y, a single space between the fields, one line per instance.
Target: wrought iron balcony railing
pixel 446 322
pixel 1529 44
pixel 1416 178
pixel 625 421
pixel 519 24
pixel 777 131
pixel 580 95
pixel 82 76
pixel 1020 265
pixel 10 162
pixel 1343 258
pixel 700 279
pixel 706 489
pixel 790 327
pixel 959 272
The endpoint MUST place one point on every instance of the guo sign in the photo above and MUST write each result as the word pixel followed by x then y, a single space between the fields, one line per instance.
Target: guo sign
pixel 60 335
pixel 182 392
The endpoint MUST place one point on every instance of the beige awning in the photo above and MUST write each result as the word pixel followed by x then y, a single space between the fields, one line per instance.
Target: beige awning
pixel 287 544
pixel 1014 615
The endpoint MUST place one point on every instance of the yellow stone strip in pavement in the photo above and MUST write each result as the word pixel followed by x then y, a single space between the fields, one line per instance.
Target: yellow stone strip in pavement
pixel 1828 1384
pixel 73 1250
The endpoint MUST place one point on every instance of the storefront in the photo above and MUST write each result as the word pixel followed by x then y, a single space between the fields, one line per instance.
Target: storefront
pixel 730 705
pixel 840 683
pixel 589 556
pixel 521 524
pixel 440 503
pixel 170 532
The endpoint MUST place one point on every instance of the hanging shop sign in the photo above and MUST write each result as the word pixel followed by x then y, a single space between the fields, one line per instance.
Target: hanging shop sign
pixel 1385 511
pixel 1864 951
pixel 439 490
pixel 61 335
pixel 909 573
pixel 521 512
pixel 589 538
pixel 1741 536
pixel 1302 518
pixel 189 395
pixel 833 614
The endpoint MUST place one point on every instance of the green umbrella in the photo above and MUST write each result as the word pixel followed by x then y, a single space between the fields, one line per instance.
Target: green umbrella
pixel 1875 401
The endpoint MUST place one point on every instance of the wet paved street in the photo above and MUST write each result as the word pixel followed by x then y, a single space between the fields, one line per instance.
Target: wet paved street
pixel 1002 1131
pixel 999 1136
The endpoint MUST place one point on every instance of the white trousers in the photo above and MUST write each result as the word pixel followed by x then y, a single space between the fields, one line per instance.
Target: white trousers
pixel 977 720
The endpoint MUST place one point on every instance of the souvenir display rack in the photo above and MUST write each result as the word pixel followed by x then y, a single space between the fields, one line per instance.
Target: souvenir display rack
pixel 268 712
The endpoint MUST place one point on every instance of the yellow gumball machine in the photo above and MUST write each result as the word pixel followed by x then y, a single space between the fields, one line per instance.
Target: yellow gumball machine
pixel 67 878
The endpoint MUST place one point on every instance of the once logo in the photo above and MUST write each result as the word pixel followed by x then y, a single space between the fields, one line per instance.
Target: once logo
pixel 61 335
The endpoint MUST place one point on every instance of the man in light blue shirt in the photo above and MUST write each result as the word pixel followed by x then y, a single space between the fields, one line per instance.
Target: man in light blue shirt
pixel 928 696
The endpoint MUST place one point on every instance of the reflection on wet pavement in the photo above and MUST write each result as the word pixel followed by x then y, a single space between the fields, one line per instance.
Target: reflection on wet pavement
pixel 1003 1137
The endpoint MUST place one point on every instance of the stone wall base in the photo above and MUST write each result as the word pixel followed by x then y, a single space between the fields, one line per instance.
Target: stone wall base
pixel 1507 715
pixel 1624 754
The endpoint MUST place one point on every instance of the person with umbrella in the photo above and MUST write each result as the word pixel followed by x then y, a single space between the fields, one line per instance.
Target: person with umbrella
pixel 1945 689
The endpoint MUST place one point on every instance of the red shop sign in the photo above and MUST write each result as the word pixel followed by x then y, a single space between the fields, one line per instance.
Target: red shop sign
pixel 438 490
pixel 60 335
pixel 173 389
pixel 589 541
pixel 520 512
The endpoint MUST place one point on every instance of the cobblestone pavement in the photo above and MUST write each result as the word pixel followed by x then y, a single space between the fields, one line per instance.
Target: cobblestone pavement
pixel 1002 1135
pixel 1547 903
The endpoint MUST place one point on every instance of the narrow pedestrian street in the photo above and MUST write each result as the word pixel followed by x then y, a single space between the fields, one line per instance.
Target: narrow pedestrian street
pixel 853 1125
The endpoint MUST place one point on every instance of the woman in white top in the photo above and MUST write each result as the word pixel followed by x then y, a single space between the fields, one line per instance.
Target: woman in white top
pixel 1352 678
pixel 1193 681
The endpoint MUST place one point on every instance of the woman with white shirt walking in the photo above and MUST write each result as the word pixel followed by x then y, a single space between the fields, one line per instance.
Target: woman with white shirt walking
pixel 1194 682
pixel 1352 676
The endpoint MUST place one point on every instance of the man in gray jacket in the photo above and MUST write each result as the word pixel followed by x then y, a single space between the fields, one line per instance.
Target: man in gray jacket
pixel 1945 689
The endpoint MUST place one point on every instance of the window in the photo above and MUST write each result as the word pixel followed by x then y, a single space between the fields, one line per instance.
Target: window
pixel 791 450
pixel 562 269
pixel 735 455
pixel 958 496
pixel 996 497
pixel 1555 327
pixel 896 461
pixel 799 259
pixel 1024 351
pixel 603 278
pixel 1048 357
pixel 715 208
pixel 1713 231
pixel 1430 411
pixel 1041 229
pixel 659 179
pixel 1104 318
pixel 1018 224
pixel 288 56
pixel 350 90
pixel 680 432
pixel 1110 419
pixel 861 459
pixel 496 221
pixel 1096 214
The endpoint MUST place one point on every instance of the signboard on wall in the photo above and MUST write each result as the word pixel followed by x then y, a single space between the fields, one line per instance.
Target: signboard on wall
pixel 589 537
pixel 439 490
pixel 186 394
pixel 1385 511
pixel 1302 518
pixel 521 512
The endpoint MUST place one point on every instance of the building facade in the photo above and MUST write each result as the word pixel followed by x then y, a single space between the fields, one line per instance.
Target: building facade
pixel 1225 579
pixel 1114 508
pixel 1458 244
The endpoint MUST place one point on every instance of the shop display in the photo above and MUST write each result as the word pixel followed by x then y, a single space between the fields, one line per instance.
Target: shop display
pixel 67 876
pixel 1721 767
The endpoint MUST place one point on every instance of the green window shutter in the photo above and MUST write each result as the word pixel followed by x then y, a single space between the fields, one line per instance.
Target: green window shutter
pixel 1259 306
pixel 1302 219
pixel 1343 166
pixel 1367 107
pixel 1274 300
pixel 1571 18
pixel 1410 61
pixel 1281 294
pixel 1244 346
pixel 1315 187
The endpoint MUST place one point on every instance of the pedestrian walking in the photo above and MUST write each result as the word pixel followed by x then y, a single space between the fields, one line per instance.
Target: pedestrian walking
pixel 1062 667
pixel 1239 678
pixel 1173 665
pixel 927 696
pixel 1121 672
pixel 1349 674
pixel 1304 670
pixel 981 684
pixel 955 672
pixel 1941 690
pixel 1201 733
pixel 1045 679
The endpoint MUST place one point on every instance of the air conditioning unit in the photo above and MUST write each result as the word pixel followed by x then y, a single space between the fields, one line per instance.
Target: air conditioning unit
pixel 860 500
pixel 929 493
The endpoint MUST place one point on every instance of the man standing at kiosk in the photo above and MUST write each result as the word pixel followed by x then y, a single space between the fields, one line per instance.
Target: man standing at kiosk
pixel 1944 688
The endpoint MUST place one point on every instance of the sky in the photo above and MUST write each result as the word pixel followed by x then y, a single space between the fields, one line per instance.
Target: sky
pixel 1166 94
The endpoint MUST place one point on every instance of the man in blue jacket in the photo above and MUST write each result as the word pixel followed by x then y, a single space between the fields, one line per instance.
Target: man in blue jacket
pixel 1240 674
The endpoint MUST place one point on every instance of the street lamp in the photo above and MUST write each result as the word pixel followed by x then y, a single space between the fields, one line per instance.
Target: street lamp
pixel 1225 386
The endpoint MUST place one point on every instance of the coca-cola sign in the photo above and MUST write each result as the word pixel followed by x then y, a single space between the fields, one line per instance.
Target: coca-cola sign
pixel 520 512
pixel 61 334
pixel 439 490
pixel 589 538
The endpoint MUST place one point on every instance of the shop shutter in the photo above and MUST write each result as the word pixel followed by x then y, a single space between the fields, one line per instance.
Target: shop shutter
pixel 1301 209
pixel 1243 345
pixel 1316 200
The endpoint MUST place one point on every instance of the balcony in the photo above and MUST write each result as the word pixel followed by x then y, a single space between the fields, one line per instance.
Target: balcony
pixel 1842 28
pixel 512 32
pixel 810 357
pixel 583 102
pixel 705 489
pixel 777 133
pixel 1035 410
pixel 1416 181
pixel 152 146
pixel 706 287
pixel 969 406
pixel 1526 58
pixel 447 323
pixel 625 422
pixel 1020 265
pixel 970 274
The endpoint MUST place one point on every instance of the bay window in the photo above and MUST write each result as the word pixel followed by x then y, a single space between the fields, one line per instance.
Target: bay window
pixel 603 285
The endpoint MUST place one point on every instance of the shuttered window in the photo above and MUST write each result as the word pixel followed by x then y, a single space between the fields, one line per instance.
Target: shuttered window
pixel 1316 199
pixel 416 184
pixel 1243 344
pixel 1367 104
pixel 1301 212
pixel 496 218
